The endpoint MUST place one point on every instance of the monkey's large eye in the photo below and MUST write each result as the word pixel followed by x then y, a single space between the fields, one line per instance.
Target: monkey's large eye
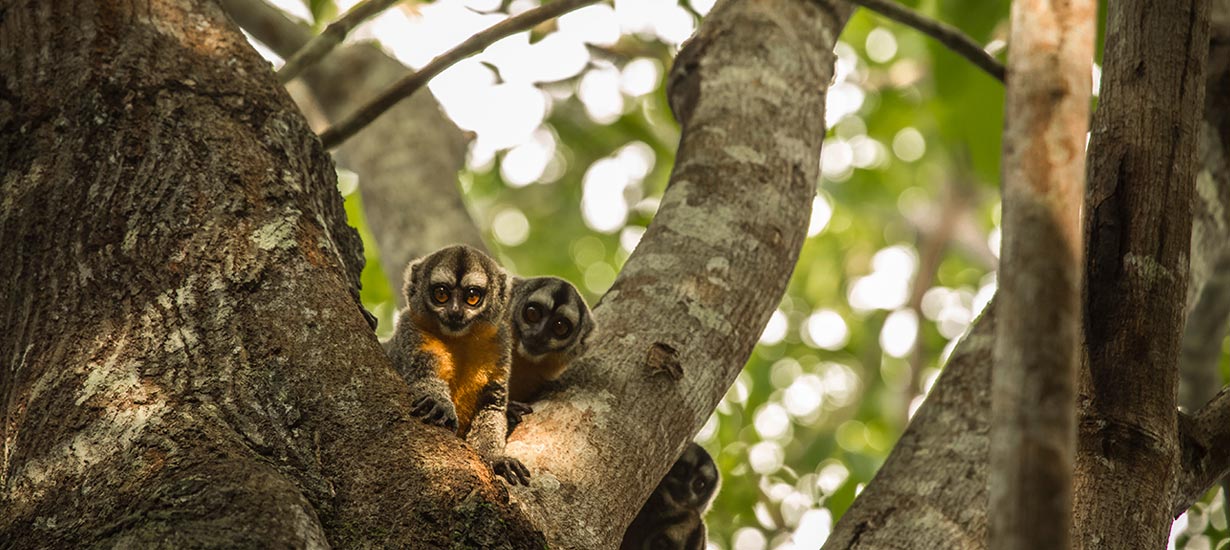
pixel 561 328
pixel 439 293
pixel 532 314
pixel 474 295
pixel 699 485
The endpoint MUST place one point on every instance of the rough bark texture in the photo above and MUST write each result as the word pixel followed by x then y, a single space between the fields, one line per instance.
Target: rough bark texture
pixel 407 160
pixel 1205 438
pixel 1142 172
pixel 186 361
pixel 183 362
pixel 1037 344
pixel 748 90
pixel 932 489
pixel 921 497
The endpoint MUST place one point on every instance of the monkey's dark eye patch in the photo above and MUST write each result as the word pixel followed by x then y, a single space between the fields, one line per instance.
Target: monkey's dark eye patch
pixel 532 314
pixel 439 293
pixel 474 295
pixel 561 328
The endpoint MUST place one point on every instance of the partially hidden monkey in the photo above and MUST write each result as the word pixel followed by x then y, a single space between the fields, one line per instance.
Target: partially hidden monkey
pixel 672 517
pixel 551 326
pixel 452 346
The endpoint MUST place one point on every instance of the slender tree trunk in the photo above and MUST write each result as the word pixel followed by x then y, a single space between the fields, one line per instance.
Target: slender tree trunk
pixel 1142 171
pixel 922 495
pixel 1037 344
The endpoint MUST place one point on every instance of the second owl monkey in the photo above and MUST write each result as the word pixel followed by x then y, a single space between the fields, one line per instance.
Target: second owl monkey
pixel 550 326
pixel 452 346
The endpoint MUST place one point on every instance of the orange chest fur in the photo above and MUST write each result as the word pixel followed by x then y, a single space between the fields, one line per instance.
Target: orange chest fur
pixel 467 363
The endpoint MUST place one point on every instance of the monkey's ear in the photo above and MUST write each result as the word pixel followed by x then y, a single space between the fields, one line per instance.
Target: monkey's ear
pixel 411 278
pixel 511 282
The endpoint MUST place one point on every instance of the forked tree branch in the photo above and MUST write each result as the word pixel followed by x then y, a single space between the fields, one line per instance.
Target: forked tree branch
pixel 405 87
pixel 946 34
pixel 1205 441
pixel 334 34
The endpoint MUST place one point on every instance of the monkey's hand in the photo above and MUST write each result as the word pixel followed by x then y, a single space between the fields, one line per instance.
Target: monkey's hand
pixel 511 469
pixel 516 413
pixel 434 409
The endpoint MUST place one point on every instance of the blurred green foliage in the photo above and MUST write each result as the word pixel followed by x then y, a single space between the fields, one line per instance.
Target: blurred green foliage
pixel 808 422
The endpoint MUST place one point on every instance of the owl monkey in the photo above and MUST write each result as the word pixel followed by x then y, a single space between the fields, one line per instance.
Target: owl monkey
pixel 551 325
pixel 671 518
pixel 452 346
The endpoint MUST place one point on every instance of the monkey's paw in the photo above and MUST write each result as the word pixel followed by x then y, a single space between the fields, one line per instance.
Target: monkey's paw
pixel 435 411
pixel 512 470
pixel 515 413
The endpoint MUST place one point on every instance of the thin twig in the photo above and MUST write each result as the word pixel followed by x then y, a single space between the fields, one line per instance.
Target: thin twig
pixel 335 135
pixel 269 25
pixel 946 34
pixel 334 34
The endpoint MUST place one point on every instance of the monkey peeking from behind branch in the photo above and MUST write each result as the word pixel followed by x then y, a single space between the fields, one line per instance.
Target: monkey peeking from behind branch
pixel 672 517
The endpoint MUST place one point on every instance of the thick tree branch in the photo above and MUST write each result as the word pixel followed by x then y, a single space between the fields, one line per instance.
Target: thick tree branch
pixel 946 34
pixel 407 160
pixel 748 90
pixel 409 84
pixel 927 493
pixel 333 35
pixel 1142 173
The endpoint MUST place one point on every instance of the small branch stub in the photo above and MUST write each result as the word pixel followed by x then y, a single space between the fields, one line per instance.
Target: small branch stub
pixel 664 359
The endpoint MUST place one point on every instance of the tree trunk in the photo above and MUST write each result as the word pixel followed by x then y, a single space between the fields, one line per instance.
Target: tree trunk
pixel 929 491
pixel 1142 171
pixel 1037 344
pixel 183 357
pixel 407 160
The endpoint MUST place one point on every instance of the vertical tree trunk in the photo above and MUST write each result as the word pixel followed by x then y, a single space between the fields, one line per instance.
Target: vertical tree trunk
pixel 1037 344
pixel 1142 168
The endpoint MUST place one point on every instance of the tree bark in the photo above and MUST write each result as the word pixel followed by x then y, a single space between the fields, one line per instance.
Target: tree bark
pixel 682 317
pixel 932 489
pixel 407 160
pixel 183 357
pixel 922 495
pixel 1142 171
pixel 1037 343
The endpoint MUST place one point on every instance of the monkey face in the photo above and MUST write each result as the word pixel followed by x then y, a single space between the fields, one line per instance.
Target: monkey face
pixel 692 480
pixel 549 316
pixel 457 286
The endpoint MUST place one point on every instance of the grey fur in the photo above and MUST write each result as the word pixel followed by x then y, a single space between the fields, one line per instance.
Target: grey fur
pixel 556 299
pixel 456 269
